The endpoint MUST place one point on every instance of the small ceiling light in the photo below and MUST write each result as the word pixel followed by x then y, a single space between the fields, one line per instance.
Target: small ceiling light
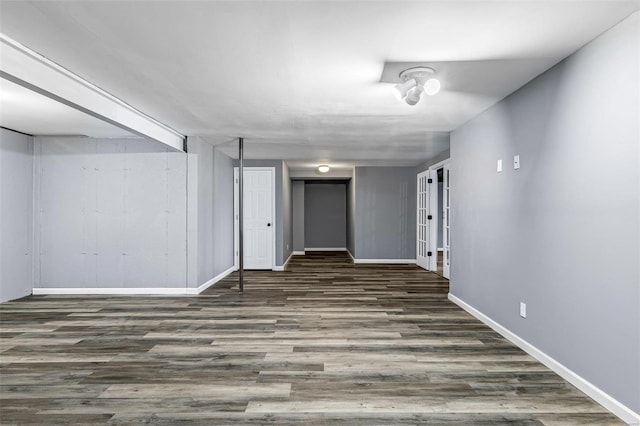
pixel 415 82
pixel 323 168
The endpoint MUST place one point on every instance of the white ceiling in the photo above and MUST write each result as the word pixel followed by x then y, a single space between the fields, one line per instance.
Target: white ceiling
pixel 300 80
pixel 30 112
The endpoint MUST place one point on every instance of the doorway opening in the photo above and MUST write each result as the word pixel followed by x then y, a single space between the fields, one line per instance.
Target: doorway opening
pixel 320 215
pixel 433 227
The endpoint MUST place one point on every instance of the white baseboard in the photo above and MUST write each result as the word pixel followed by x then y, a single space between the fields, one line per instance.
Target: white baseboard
pixel 281 267
pixel 211 282
pixel 298 253
pixel 325 249
pixel 597 394
pixel 111 290
pixel 391 261
pixel 351 255
pixel 141 291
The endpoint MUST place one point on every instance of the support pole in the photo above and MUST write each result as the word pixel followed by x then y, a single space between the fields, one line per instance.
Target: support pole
pixel 240 215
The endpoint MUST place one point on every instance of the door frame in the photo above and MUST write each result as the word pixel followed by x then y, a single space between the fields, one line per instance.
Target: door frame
pixel 236 230
pixel 432 238
pixel 435 167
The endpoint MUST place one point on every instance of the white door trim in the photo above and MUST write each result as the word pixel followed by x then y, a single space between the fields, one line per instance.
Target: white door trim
pixel 444 164
pixel 236 233
pixel 446 228
pixel 428 207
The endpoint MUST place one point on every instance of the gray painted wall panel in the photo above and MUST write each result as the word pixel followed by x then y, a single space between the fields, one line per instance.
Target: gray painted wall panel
pixel 192 213
pixel 385 213
pixel 223 213
pixel 563 231
pixel 206 202
pixel 16 215
pixel 112 213
pixel 351 218
pixel 211 238
pixel 287 214
pixel 297 194
pixel 325 215
pixel 438 158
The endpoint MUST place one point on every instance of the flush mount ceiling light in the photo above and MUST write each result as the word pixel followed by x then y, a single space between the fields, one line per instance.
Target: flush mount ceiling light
pixel 416 81
pixel 323 168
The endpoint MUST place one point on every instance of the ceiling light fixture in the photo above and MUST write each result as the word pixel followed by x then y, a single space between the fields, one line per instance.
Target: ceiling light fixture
pixel 323 168
pixel 415 82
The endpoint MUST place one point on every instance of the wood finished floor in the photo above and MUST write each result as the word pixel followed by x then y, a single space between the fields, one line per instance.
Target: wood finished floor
pixel 325 342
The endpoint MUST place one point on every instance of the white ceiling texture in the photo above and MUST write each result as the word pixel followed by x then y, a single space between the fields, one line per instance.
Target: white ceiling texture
pixel 300 80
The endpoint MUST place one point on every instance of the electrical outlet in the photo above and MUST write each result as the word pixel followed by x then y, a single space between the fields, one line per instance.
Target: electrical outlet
pixel 499 166
pixel 523 309
pixel 516 162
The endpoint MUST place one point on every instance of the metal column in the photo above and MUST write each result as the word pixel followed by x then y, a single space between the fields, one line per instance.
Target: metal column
pixel 240 215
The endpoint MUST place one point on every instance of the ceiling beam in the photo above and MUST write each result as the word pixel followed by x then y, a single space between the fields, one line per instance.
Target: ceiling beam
pixel 33 71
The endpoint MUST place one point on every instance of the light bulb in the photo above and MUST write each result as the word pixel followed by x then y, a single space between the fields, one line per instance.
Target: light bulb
pixel 323 168
pixel 432 86
pixel 403 88
pixel 414 96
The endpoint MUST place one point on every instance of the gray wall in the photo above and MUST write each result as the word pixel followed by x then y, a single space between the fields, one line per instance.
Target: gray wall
pixel 561 234
pixel 385 213
pixel 112 213
pixel 351 216
pixel 223 212
pixel 325 214
pixel 214 210
pixel 438 158
pixel 205 203
pixel 16 215
pixel 297 195
pixel 287 214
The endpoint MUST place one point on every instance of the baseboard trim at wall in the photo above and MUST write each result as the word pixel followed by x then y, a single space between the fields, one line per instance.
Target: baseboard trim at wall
pixel 211 282
pixel 298 253
pixel 351 255
pixel 174 291
pixel 281 267
pixel 325 249
pixel 385 261
pixel 597 394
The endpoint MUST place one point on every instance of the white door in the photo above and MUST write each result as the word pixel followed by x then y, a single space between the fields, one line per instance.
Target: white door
pixel 446 228
pixel 258 225
pixel 426 241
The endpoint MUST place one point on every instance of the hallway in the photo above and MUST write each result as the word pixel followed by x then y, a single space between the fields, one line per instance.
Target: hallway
pixel 324 342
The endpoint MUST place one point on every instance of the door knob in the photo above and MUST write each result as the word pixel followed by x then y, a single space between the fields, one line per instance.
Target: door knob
pixel 268 224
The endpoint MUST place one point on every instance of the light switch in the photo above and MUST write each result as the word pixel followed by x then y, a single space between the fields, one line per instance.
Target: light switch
pixel 523 309
pixel 499 166
pixel 516 162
